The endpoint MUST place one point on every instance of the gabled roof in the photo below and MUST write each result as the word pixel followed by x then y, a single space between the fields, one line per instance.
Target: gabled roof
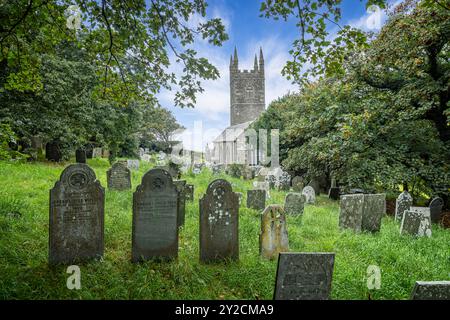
pixel 233 132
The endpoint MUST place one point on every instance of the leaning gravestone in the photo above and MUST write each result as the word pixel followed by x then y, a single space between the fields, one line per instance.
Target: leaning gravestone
pixel 297 184
pixel 181 185
pixel 155 217
pixel 304 276
pixel 133 164
pixel 310 194
pixel 256 199
pixel 219 219
pixel 431 290
pixel 118 177
pixel 273 237
pixel 417 222
pixel 436 206
pixel 294 203
pixel 189 192
pixel 404 202
pixel 77 203
pixel 80 156
pixel 362 212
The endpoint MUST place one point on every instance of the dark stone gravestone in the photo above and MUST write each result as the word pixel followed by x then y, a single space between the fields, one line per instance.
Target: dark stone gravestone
pixel 304 276
pixel 118 177
pixel 80 156
pixel 404 202
pixel 219 222
pixel 52 151
pixel 256 199
pixel 155 218
pixel 189 192
pixel 431 290
pixel 436 206
pixel 77 203
pixel 294 203
pixel 373 211
pixel 351 212
pixel 181 184
pixel 333 193
pixel 416 221
pixel 273 237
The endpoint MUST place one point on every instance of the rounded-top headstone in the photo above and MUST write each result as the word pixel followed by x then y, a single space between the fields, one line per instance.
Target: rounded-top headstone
pixel 294 203
pixel 436 206
pixel 404 202
pixel 310 194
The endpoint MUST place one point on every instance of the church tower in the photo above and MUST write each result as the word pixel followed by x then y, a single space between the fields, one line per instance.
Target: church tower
pixel 247 90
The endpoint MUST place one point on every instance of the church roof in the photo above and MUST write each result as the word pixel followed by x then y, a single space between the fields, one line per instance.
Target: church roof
pixel 233 132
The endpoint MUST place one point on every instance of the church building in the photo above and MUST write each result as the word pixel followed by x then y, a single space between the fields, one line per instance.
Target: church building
pixel 247 102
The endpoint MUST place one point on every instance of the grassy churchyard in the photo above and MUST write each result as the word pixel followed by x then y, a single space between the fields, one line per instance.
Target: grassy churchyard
pixel 26 274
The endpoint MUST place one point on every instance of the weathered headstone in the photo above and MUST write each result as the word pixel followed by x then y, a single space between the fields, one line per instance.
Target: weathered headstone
pixel 118 177
pixel 431 290
pixel 373 211
pixel 96 153
pixel 155 217
pixel 133 164
pixel 256 199
pixel 80 156
pixel 416 221
pixel 52 151
pixel 304 276
pixel 404 202
pixel 273 237
pixel 219 220
pixel 297 184
pixel 77 203
pixel 294 203
pixel 181 185
pixel 189 192
pixel 436 206
pixel 362 212
pixel 310 194
pixel 283 182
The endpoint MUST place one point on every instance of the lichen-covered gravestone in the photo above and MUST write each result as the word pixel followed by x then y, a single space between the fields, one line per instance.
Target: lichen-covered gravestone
pixel 304 276
pixel 431 290
pixel 310 194
pixel 256 199
pixel 181 185
pixel 271 179
pixel 417 222
pixel 362 212
pixel 219 222
pixel 77 203
pixel 294 203
pixel 189 192
pixel 118 177
pixel 373 211
pixel 283 181
pixel 404 202
pixel 297 184
pixel 155 217
pixel 436 206
pixel 273 237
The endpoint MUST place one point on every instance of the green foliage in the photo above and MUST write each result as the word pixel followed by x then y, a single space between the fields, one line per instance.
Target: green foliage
pixel 8 138
pixel 234 170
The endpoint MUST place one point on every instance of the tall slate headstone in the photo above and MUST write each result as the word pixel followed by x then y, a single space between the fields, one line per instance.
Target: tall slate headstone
pixel 304 276
pixel 76 227
pixel 362 211
pixel 118 177
pixel 294 203
pixel 256 199
pixel 431 290
pixel 404 202
pixel 310 194
pixel 416 221
pixel 373 211
pixel 219 223
pixel 80 156
pixel 181 185
pixel 436 206
pixel 273 237
pixel 155 217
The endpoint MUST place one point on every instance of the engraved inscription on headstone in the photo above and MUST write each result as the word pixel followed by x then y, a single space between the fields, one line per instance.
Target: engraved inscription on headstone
pixel 273 237
pixel 155 217
pixel 304 276
pixel 181 184
pixel 416 221
pixel 431 290
pixel 119 177
pixel 403 202
pixel 77 204
pixel 294 203
pixel 256 199
pixel 219 220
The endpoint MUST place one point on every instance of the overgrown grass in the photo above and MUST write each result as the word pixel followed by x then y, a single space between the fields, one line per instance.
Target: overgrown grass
pixel 25 274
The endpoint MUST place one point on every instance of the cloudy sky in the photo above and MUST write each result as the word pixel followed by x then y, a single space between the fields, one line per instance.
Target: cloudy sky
pixel 247 31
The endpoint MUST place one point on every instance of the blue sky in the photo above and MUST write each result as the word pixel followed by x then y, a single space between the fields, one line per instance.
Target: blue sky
pixel 247 31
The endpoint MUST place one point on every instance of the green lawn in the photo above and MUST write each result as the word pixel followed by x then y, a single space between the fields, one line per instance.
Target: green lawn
pixel 25 273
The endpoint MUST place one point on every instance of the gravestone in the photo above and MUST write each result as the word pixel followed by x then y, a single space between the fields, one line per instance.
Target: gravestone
pixel 145 157
pixel 270 179
pixel 118 177
pixel 256 199
pixel 316 186
pixel 181 185
pixel 297 184
pixel 404 202
pixel 294 203
pixel 189 192
pixel 373 211
pixel 133 164
pixel 155 217
pixel 262 185
pixel 247 172
pixel 362 212
pixel 436 206
pixel 52 151
pixel 283 182
pixel 416 221
pixel 333 193
pixel 304 276
pixel 80 156
pixel 77 203
pixel 96 153
pixel 310 194
pixel 273 237
pixel 219 220
pixel 431 290
pixel 105 153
